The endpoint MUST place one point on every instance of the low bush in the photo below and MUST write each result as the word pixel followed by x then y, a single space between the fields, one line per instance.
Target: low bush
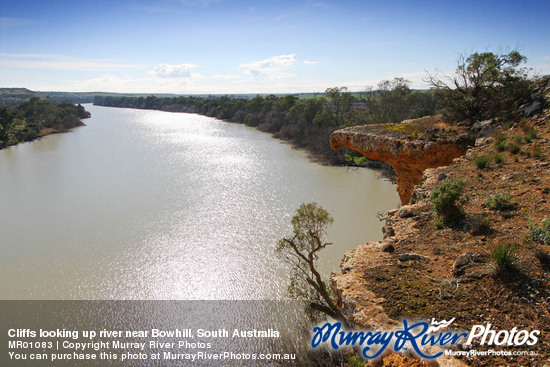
pixel 537 152
pixel 514 148
pixel 540 233
pixel 482 161
pixel 500 202
pixel 533 134
pixel 500 142
pixel 446 201
pixel 529 131
pixel 498 158
pixel 505 256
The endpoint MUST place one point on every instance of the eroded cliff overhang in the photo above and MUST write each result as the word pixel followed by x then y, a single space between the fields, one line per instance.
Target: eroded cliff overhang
pixel 410 147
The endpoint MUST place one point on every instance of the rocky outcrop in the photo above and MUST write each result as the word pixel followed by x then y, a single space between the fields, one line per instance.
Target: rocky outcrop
pixel 360 305
pixel 363 308
pixel 410 147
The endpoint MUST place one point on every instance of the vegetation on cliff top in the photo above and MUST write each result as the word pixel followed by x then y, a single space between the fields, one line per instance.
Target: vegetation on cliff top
pixel 485 85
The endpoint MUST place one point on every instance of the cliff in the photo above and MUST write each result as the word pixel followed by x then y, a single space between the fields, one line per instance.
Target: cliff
pixel 410 147
pixel 424 270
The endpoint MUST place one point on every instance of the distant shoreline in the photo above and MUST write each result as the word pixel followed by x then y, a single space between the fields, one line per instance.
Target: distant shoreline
pixel 312 138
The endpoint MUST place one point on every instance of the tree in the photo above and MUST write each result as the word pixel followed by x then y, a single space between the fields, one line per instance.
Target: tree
pixel 390 103
pixel 338 103
pixel 312 107
pixel 254 105
pixel 484 85
pixel 423 103
pixel 301 252
pixel 7 121
pixel 284 104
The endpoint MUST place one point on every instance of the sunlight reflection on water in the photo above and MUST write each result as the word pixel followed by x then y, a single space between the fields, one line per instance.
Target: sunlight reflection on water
pixel 156 205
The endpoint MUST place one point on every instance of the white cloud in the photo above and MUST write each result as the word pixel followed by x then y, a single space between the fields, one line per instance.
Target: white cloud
pixel 57 62
pixel 417 79
pixel 109 82
pixel 539 68
pixel 309 62
pixel 226 77
pixel 172 71
pixel 128 84
pixel 272 68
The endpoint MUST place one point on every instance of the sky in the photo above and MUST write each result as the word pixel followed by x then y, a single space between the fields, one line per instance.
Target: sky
pixel 238 46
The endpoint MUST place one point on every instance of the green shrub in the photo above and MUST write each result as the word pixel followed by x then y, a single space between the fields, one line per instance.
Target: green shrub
pixel 518 139
pixel 541 233
pixel 505 256
pixel 514 148
pixel 529 131
pixel 500 142
pixel 446 200
pixel 537 152
pixel 533 134
pixel 438 223
pixel 500 202
pixel 355 361
pixel 482 161
pixel 500 146
pixel 546 190
pixel 499 158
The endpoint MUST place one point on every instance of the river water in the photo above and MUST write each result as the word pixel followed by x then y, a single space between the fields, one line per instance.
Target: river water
pixel 167 206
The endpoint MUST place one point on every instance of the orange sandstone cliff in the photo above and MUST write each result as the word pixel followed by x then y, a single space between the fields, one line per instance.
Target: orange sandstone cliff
pixel 409 147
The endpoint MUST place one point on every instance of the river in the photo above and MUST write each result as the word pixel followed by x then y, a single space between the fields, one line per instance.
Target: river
pixel 154 205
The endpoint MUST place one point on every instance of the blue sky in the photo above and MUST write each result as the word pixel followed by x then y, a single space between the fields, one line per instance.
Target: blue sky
pixel 226 46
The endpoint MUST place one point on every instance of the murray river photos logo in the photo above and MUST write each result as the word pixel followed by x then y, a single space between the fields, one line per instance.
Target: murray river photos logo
pixel 419 336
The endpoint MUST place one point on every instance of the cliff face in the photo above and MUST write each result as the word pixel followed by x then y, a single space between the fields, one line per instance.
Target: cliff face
pixel 354 288
pixel 410 147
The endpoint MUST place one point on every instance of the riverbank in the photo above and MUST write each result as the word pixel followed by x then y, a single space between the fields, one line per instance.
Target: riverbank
pixel 36 118
pixel 306 125
pixel 490 265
